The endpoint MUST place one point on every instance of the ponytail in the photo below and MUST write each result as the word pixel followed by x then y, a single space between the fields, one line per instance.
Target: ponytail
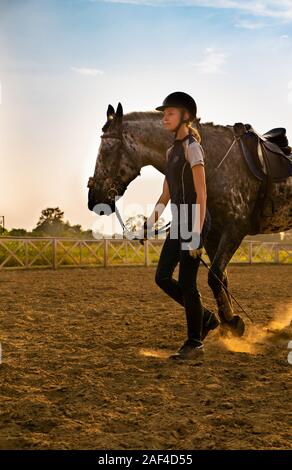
pixel 194 131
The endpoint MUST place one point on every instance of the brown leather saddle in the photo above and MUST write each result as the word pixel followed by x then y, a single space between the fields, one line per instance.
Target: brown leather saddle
pixel 267 155
pixel 269 159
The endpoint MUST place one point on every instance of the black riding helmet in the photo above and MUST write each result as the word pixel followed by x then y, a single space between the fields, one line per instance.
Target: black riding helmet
pixel 179 99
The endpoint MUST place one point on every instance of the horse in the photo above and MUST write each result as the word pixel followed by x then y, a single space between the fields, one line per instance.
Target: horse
pixel 131 141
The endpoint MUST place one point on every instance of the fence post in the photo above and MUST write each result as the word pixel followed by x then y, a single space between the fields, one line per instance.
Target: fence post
pixel 126 250
pixel 250 252
pixel 146 252
pixel 54 248
pixel 277 254
pixel 105 252
pixel 26 254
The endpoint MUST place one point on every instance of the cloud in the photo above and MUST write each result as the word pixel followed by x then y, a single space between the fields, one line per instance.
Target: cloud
pixel 278 9
pixel 212 61
pixel 87 71
pixel 247 24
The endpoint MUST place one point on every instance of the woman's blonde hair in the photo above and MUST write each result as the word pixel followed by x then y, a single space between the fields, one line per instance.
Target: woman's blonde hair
pixel 194 132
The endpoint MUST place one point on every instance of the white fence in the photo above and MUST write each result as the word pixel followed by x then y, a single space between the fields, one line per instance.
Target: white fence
pixel 54 253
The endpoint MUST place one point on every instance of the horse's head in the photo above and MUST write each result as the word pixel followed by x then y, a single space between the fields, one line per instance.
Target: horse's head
pixel 117 163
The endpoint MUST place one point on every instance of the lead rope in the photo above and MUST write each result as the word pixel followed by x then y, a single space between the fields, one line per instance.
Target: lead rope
pixel 223 285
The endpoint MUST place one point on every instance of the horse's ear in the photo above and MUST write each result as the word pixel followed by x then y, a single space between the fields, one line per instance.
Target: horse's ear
pixel 118 120
pixel 110 114
pixel 119 111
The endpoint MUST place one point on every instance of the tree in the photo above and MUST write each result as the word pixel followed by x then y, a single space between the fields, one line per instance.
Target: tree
pixel 17 232
pixel 50 222
pixel 4 232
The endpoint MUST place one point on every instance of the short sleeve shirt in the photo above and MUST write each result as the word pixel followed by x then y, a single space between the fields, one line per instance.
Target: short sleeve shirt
pixel 194 152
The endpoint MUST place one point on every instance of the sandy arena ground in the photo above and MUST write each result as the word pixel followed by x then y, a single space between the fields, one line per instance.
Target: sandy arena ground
pixel 85 363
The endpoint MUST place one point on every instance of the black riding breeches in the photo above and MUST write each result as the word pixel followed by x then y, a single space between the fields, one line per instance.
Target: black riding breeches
pixel 185 290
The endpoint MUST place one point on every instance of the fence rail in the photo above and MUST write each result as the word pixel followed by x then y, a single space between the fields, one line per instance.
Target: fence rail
pixel 54 253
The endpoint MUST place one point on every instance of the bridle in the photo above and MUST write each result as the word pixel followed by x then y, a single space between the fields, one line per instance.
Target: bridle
pixel 116 186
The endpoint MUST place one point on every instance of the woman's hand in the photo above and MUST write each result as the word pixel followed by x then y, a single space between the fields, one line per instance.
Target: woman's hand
pixel 195 252
pixel 196 249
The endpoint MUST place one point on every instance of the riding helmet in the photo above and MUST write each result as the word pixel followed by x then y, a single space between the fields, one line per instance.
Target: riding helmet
pixel 182 100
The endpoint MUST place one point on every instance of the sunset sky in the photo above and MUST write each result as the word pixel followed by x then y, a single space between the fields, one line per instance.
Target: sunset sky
pixel 63 61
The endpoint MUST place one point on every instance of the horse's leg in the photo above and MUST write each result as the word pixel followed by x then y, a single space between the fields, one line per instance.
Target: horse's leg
pixel 220 249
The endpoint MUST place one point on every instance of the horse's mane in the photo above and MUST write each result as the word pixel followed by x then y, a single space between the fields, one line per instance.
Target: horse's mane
pixel 211 124
pixel 142 116
pixel 151 115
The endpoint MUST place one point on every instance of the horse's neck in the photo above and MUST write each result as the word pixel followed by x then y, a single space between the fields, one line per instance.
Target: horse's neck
pixel 152 143
pixel 216 141
pixel 154 157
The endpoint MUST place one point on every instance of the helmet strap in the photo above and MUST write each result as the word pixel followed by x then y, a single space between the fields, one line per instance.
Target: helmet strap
pixel 181 121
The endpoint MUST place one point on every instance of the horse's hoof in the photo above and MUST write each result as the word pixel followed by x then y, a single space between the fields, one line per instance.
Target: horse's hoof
pixel 236 325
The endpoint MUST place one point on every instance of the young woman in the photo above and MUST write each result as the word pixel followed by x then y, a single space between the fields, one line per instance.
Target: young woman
pixel 185 186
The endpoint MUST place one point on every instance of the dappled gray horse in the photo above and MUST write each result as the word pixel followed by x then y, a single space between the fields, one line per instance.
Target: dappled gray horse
pixel 137 139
